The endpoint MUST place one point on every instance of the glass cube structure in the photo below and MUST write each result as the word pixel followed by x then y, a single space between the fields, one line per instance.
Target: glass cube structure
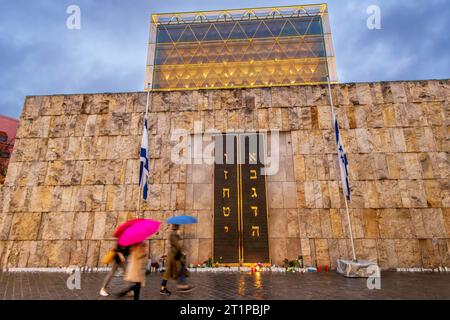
pixel 241 48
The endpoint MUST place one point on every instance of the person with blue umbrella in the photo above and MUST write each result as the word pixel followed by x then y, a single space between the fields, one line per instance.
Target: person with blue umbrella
pixel 175 266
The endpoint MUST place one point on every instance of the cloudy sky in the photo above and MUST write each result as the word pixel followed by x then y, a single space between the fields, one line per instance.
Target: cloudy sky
pixel 39 55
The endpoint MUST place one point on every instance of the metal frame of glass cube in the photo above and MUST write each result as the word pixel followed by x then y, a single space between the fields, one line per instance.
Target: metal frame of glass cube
pixel 240 48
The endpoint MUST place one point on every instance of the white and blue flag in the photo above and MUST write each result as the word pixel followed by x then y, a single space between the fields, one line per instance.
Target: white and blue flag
pixel 343 162
pixel 143 167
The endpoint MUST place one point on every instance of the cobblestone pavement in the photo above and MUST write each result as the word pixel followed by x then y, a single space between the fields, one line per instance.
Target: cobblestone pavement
pixel 234 286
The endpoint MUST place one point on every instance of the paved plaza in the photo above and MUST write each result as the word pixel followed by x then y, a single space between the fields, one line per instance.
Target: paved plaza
pixel 234 286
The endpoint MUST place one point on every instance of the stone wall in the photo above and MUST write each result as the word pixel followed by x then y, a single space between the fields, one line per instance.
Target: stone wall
pixel 73 174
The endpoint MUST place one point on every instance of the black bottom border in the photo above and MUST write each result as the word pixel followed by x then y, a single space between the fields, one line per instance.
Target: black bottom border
pixel 179 309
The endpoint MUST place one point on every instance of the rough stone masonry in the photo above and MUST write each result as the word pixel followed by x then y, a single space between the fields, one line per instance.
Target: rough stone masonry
pixel 73 175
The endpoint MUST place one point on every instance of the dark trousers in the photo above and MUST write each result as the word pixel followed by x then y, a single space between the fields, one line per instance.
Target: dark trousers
pixel 136 288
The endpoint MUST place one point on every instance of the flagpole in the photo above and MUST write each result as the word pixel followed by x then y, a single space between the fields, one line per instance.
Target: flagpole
pixel 341 178
pixel 140 187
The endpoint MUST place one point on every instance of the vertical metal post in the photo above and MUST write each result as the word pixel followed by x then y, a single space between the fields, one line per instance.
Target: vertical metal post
pixel 341 179
pixel 140 186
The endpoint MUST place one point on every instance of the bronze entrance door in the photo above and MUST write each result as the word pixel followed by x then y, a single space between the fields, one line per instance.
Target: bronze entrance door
pixel 240 207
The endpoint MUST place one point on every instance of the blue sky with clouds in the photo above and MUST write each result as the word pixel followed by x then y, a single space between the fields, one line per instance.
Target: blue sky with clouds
pixel 39 55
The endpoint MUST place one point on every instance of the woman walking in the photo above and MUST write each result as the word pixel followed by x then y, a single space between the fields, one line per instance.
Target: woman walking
pixel 118 261
pixel 136 268
pixel 176 267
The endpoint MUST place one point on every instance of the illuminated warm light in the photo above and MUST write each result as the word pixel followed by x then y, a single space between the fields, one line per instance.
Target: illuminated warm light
pixel 206 61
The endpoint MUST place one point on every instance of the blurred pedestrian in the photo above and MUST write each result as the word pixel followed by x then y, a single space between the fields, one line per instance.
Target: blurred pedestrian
pixel 135 272
pixel 119 256
pixel 176 265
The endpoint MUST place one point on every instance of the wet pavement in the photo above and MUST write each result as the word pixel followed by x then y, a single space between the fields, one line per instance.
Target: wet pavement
pixel 234 286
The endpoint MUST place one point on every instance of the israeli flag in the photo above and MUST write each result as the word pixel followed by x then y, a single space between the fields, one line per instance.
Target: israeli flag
pixel 343 162
pixel 143 166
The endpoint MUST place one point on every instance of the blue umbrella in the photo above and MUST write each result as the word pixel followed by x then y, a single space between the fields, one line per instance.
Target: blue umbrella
pixel 182 220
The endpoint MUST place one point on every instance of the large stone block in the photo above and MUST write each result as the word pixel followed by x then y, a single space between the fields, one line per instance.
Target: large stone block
pixel 387 254
pixel 433 193
pixel 93 253
pixel 109 172
pixel 57 226
pixel 310 223
pixel 362 167
pixel 429 252
pixel 418 91
pixel 389 115
pixel 322 252
pixel 389 191
pixel 41 199
pixel 381 140
pixel 371 195
pixel 313 194
pixel 82 225
pixel 441 165
pixel 380 166
pixel 205 225
pixel 78 253
pixel 52 105
pixel 306 252
pixel 375 117
pixel 408 253
pixel 275 195
pixel 363 140
pixel 289 195
pixel 278 223
pixel 205 250
pixel 278 250
pixel 371 226
pixel 61 199
pixel 301 201
pixel 325 223
pixel 192 250
pixel 336 224
pixel 5 225
pixel 434 223
pixel 203 195
pixel 395 224
pixel 92 198
pixel 64 173
pixel 25 226
pixel 293 227
pixel 357 221
pixel 32 107
pixel 446 217
pixel 281 97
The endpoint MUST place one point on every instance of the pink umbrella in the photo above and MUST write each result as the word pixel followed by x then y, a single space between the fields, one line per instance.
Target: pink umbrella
pixel 124 226
pixel 138 231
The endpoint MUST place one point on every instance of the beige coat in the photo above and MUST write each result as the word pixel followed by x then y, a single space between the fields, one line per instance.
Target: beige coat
pixel 173 266
pixel 137 262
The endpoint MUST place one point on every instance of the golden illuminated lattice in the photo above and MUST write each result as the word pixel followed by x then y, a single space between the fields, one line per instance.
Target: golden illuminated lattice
pixel 241 48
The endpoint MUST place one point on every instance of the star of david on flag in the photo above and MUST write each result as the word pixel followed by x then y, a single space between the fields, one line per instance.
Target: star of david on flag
pixel 343 162
pixel 143 167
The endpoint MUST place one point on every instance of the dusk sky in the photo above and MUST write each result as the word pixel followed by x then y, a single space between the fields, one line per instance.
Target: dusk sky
pixel 40 55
